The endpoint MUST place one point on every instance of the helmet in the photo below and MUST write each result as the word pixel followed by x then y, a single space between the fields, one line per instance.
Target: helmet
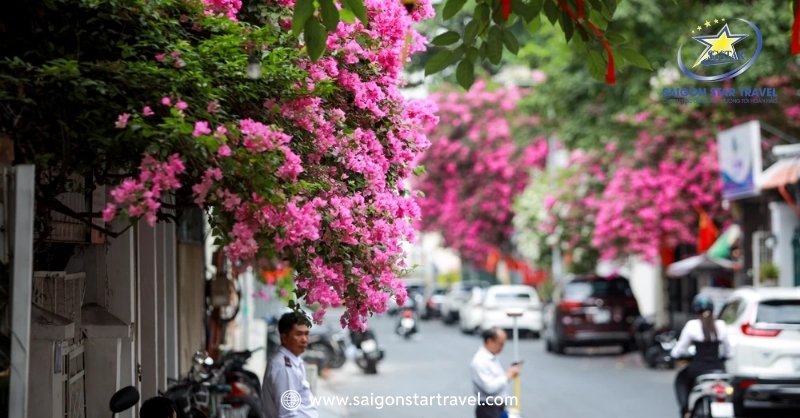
pixel 702 303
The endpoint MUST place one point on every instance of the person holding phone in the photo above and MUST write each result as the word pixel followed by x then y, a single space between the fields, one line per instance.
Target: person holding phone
pixel 489 380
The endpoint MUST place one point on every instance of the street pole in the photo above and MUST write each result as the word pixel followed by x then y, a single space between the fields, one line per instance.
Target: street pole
pixel 515 411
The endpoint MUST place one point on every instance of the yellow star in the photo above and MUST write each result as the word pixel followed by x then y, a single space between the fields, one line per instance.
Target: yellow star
pixel 699 28
pixel 708 24
pixel 716 20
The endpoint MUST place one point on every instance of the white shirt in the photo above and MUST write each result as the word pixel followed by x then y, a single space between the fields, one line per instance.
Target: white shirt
pixel 285 372
pixel 693 332
pixel 488 376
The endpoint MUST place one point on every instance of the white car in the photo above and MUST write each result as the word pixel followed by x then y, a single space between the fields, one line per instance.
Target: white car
pixel 470 314
pixel 457 295
pixel 764 328
pixel 502 299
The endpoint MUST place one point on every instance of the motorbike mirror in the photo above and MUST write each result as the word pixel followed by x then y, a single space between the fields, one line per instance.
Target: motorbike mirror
pixel 124 399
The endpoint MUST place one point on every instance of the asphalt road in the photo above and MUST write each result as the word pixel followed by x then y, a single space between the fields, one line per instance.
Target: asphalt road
pixel 594 383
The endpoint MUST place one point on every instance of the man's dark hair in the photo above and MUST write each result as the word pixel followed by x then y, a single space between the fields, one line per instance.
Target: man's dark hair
pixel 490 334
pixel 157 407
pixel 290 319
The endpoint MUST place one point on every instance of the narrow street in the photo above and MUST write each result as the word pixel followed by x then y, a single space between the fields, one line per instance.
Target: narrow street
pixel 587 383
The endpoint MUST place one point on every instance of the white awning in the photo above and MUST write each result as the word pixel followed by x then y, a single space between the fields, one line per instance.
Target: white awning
pixel 697 264
pixel 784 172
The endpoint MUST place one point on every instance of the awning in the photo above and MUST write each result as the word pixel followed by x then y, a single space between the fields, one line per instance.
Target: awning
pixel 784 172
pixel 702 263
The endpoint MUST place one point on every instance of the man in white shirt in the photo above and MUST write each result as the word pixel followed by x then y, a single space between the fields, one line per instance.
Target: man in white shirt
pixel 489 379
pixel 285 392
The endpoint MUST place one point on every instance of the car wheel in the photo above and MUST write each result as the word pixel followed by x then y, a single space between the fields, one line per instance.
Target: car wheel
pixel 548 346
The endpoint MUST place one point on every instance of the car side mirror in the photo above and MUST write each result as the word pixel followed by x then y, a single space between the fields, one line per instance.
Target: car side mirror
pixel 124 399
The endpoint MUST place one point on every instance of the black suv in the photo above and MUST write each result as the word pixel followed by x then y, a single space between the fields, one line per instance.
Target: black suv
pixel 591 311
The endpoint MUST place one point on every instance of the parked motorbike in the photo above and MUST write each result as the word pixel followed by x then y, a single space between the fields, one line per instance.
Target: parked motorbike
pixel 655 344
pixel 123 400
pixel 407 323
pixel 223 389
pixel 712 396
pixel 368 353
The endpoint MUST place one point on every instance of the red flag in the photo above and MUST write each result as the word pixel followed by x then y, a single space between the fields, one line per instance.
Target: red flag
pixel 795 39
pixel 707 232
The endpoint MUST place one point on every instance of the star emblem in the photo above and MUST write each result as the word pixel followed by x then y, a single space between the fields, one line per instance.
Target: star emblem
pixel 721 43
pixel 708 24
pixel 716 20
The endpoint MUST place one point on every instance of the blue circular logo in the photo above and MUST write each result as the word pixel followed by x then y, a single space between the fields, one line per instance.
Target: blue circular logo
pixel 720 51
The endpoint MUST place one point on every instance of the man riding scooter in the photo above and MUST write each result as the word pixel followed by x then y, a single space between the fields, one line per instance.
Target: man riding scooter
pixel 712 348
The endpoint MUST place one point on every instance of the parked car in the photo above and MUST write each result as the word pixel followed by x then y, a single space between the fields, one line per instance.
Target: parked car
pixel 592 310
pixel 470 313
pixel 501 299
pixel 764 328
pixel 455 297
pixel 433 303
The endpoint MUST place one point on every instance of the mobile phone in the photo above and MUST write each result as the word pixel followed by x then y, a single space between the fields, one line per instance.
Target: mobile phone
pixel 518 363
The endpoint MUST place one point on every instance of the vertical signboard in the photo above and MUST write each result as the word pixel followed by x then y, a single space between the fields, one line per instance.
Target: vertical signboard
pixel 739 151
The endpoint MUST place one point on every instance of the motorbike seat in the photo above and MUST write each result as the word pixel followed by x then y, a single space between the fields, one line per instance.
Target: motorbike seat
pixel 712 375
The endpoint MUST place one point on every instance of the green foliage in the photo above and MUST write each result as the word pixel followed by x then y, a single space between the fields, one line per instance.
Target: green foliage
pixel 61 88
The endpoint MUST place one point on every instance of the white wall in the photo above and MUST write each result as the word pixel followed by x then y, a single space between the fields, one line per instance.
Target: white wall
pixel 784 221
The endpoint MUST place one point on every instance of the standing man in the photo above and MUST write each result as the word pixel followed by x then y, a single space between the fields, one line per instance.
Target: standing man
pixel 489 379
pixel 285 392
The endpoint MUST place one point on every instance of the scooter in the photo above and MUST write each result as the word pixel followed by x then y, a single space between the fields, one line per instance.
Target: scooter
pixel 658 353
pixel 407 323
pixel 712 396
pixel 123 400
pixel 368 352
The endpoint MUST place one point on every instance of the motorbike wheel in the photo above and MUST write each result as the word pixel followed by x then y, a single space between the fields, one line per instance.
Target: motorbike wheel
pixel 329 354
pixel 371 367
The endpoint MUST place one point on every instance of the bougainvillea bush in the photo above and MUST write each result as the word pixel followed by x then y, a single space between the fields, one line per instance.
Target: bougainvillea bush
pixel 301 165
pixel 559 208
pixel 475 168
pixel 654 196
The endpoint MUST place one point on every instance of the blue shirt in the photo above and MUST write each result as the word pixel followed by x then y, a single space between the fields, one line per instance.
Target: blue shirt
pixel 285 392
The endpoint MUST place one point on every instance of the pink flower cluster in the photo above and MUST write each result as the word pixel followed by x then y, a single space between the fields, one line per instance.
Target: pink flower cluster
pixel 142 196
pixel 652 199
pixel 227 8
pixel 319 187
pixel 475 170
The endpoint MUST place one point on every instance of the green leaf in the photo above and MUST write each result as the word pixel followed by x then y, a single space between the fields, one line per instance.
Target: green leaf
pixel 439 62
pixel 616 38
pixel 471 31
pixel 551 11
pixel 451 7
pixel 528 10
pixel 473 54
pixel 633 57
pixel 330 15
pixel 482 12
pixel 315 37
pixel 303 9
pixel 358 9
pixel 465 73
pixel 347 15
pixel 511 42
pixel 447 38
pixel 535 24
pixel 566 25
pixel 597 64
pixel 598 19
pixel 419 170
pixel 495 44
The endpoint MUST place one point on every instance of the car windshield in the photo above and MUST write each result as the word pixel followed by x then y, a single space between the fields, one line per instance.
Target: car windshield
pixel 779 312
pixel 512 298
pixel 597 288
